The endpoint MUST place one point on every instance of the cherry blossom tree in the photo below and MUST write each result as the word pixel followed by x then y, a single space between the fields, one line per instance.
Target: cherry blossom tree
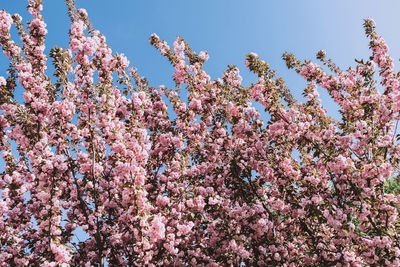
pixel 143 177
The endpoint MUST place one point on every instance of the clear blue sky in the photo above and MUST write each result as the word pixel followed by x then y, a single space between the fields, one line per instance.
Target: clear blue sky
pixel 228 29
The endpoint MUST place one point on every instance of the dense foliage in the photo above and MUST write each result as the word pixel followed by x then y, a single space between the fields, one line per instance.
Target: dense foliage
pixel 146 178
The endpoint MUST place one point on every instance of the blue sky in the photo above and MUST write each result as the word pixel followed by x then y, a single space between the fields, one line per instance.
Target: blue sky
pixel 228 30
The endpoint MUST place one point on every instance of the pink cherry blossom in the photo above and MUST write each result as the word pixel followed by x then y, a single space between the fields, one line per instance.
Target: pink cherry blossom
pixel 102 169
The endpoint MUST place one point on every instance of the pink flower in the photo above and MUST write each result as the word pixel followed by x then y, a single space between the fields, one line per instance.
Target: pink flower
pixel 204 55
pixel 162 201
pixel 77 28
pixel 157 230
pixel 5 22
pixel 195 104
pixel 61 253
pixel 38 26
pixel 2 81
pixel 82 12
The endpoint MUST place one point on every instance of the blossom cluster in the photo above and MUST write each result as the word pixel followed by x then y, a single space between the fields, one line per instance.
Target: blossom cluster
pixel 100 167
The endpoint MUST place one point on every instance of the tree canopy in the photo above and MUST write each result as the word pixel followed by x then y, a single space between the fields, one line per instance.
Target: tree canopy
pixel 147 178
